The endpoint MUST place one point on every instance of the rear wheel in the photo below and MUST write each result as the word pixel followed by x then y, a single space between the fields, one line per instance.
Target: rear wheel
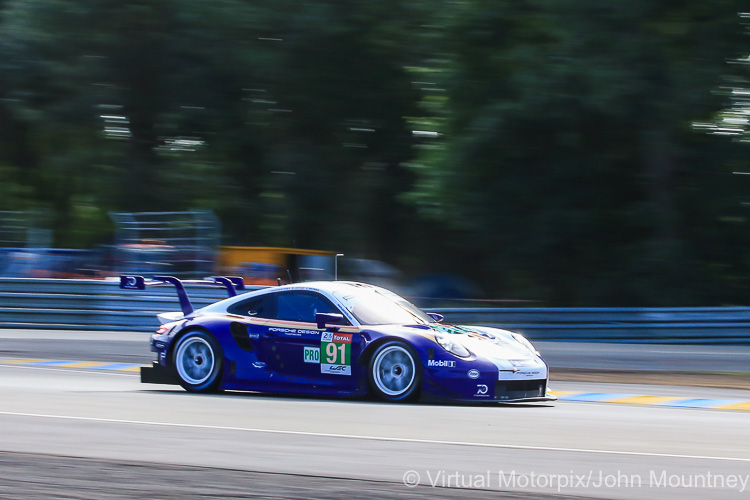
pixel 395 372
pixel 198 361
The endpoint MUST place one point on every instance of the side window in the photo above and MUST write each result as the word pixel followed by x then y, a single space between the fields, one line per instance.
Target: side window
pixel 257 307
pixel 303 306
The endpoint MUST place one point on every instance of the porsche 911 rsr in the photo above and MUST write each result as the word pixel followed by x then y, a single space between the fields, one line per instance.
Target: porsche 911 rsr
pixel 337 338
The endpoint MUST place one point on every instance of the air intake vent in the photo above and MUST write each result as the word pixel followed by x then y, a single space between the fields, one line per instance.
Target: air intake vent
pixel 240 336
pixel 520 389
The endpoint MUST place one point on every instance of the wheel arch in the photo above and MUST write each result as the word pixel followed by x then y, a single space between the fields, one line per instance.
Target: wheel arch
pixel 176 340
pixel 364 358
pixel 414 341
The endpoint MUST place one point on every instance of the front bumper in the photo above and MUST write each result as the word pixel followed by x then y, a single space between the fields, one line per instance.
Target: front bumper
pixel 522 390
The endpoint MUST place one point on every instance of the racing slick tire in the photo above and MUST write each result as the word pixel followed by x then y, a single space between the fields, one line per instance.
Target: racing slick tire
pixel 395 372
pixel 198 362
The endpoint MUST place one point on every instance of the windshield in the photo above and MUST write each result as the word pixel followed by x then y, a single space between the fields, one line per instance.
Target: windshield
pixel 378 306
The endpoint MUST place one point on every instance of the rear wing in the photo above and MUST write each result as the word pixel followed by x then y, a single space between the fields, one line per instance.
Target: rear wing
pixel 231 283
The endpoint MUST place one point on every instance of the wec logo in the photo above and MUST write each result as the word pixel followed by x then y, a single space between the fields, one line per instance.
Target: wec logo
pixel 336 369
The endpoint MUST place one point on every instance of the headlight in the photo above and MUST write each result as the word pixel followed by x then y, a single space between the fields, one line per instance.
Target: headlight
pixel 452 347
pixel 523 341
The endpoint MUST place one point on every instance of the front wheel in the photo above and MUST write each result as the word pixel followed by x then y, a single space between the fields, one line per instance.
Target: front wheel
pixel 395 372
pixel 198 361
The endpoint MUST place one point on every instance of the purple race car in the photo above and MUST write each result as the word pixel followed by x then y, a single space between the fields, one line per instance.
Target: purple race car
pixel 337 338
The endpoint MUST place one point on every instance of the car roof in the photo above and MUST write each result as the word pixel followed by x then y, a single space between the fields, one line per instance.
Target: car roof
pixel 324 287
pixel 328 286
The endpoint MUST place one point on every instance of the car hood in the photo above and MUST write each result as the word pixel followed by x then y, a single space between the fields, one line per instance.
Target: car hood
pixel 480 340
pixel 497 346
pixel 485 341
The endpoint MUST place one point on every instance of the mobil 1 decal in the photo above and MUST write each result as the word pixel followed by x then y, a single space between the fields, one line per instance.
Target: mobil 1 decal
pixel 336 353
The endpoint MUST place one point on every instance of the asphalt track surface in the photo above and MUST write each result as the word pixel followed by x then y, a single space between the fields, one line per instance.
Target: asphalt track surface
pixel 129 347
pixel 70 433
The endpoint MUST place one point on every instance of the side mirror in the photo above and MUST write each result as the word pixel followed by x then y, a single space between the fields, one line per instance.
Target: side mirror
pixel 437 317
pixel 324 318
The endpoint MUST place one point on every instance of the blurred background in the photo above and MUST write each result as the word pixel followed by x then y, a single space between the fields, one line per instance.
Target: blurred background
pixel 554 152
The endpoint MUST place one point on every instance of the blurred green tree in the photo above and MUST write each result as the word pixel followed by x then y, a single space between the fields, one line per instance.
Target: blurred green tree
pixel 282 117
pixel 550 150
pixel 568 153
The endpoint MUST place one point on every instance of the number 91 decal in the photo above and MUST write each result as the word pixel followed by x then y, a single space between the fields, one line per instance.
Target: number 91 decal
pixel 336 351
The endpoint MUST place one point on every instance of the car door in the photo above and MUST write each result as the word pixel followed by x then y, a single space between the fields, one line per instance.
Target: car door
pixel 292 346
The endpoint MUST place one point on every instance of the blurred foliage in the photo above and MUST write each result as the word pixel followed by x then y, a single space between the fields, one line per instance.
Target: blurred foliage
pixel 569 151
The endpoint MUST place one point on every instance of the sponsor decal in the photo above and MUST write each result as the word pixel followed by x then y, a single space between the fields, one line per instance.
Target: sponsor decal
pixel 482 391
pixel 471 332
pixel 450 329
pixel 312 354
pixel 474 374
pixel 292 331
pixel 336 369
pixel 336 353
pixel 286 331
pixel 441 363
pixel 132 282
pixel 342 337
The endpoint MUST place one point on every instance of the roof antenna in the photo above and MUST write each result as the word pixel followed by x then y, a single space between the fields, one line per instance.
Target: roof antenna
pixel 290 276
pixel 336 266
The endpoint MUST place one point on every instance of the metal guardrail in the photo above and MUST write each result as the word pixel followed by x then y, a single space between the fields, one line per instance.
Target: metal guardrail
pixel 699 325
pixel 101 305
pixel 91 304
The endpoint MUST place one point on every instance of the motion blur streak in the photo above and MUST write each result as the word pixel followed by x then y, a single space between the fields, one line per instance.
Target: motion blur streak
pixel 566 153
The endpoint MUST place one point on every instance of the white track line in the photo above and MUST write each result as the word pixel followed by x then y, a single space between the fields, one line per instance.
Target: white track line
pixel 370 438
